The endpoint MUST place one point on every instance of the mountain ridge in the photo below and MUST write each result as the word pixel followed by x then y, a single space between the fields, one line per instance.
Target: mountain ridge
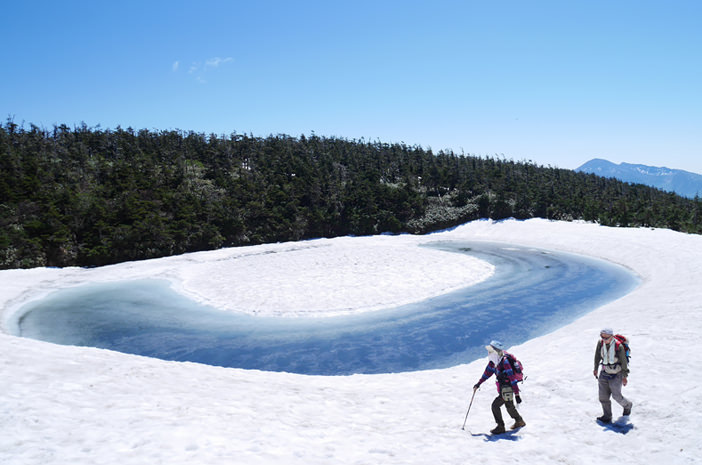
pixel 684 183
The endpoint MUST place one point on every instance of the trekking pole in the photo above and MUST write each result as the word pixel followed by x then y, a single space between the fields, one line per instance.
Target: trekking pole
pixel 469 406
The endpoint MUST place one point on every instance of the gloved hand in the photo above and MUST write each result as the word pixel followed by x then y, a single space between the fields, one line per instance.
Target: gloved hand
pixel 476 387
pixel 519 399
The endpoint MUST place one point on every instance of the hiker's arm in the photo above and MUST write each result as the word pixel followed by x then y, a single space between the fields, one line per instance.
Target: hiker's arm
pixel 598 357
pixel 489 371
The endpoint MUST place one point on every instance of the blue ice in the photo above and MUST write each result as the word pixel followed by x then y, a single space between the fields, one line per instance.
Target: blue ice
pixel 531 293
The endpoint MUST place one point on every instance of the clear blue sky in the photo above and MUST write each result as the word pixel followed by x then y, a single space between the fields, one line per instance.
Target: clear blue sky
pixel 555 82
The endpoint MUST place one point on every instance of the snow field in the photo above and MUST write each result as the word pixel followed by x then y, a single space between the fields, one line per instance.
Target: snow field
pixel 61 404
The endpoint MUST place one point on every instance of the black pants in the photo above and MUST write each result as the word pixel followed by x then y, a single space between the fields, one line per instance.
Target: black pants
pixel 511 409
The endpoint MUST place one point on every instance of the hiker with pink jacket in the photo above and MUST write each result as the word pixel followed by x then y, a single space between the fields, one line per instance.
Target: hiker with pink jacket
pixel 507 370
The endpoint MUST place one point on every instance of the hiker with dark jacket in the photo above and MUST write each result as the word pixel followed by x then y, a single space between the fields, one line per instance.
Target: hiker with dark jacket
pixel 507 389
pixel 610 354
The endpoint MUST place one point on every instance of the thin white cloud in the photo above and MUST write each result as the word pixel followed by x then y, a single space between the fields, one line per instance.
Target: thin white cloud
pixel 199 69
pixel 216 61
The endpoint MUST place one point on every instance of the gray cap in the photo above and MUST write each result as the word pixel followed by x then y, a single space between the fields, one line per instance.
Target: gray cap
pixel 495 345
pixel 607 331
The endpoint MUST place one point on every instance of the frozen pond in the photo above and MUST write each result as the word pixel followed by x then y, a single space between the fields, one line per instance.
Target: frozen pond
pixel 531 293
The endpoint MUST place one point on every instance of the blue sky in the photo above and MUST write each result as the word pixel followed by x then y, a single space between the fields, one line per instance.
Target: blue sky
pixel 555 82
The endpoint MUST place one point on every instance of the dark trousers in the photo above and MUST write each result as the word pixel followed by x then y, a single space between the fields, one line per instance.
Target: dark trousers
pixel 511 409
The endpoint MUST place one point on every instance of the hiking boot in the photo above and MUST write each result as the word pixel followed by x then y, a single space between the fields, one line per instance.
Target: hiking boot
pixel 499 429
pixel 604 419
pixel 518 424
pixel 627 411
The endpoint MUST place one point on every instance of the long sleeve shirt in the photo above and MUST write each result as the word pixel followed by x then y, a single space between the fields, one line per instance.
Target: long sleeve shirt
pixel 504 373
pixel 619 359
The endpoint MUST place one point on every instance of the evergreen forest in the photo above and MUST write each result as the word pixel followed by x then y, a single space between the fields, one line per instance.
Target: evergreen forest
pixel 86 196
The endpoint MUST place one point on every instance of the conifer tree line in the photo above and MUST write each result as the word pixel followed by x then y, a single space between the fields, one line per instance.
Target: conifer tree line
pixel 88 196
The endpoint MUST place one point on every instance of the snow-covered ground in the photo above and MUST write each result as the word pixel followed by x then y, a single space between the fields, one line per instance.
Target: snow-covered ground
pixel 71 405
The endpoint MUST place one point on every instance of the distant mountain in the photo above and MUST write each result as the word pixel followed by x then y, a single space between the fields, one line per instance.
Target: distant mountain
pixel 681 182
